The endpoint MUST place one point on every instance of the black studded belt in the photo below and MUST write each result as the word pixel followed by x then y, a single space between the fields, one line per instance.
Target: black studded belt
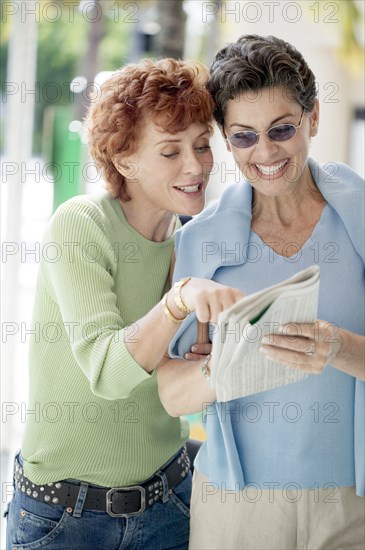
pixel 116 501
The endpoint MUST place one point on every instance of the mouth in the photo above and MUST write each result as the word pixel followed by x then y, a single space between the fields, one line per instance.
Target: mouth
pixel 272 169
pixel 190 189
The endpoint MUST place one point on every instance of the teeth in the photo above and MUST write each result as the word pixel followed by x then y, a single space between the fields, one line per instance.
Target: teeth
pixel 190 189
pixel 270 170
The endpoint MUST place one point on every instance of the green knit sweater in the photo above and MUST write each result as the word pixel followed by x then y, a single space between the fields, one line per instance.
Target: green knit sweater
pixel 96 415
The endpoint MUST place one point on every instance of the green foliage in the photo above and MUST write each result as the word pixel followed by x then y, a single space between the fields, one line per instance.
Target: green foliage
pixel 115 46
pixel 351 19
pixel 62 45
pixel 351 51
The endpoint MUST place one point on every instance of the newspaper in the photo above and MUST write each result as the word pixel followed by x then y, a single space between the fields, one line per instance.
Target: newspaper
pixel 238 367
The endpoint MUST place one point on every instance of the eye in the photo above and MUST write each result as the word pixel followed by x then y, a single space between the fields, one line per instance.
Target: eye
pixel 202 148
pixel 169 155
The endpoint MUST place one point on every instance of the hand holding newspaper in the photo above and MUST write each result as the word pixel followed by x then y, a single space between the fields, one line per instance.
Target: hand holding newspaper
pixel 238 367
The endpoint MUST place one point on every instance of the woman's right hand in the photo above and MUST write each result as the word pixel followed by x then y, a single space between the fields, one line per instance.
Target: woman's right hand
pixel 208 298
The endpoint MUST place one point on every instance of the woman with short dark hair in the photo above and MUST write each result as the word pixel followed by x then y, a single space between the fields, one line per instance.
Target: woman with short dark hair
pixel 283 468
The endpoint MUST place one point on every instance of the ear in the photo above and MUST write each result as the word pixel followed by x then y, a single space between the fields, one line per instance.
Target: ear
pixel 123 169
pixel 121 165
pixel 314 119
pixel 126 166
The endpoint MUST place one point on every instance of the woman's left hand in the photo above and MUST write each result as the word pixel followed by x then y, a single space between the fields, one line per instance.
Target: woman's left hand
pixel 305 346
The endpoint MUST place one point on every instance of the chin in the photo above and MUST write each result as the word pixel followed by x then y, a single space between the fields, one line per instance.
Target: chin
pixel 192 210
pixel 196 211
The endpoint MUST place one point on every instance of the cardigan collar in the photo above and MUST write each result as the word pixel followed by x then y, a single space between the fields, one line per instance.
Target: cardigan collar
pixel 216 241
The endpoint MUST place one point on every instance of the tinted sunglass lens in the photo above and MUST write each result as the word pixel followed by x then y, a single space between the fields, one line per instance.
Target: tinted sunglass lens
pixel 283 132
pixel 243 139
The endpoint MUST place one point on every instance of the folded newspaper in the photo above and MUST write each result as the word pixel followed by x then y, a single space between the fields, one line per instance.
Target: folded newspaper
pixel 238 367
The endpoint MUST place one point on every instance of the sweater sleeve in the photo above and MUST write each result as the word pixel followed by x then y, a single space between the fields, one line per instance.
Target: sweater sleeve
pixel 81 284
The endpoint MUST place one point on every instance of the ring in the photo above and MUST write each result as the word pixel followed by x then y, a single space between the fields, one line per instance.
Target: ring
pixel 204 368
pixel 311 349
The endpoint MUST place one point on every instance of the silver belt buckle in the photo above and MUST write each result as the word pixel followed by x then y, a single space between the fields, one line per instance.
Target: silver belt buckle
pixel 109 501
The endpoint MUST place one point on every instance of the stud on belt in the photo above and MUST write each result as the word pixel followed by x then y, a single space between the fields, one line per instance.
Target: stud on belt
pixel 116 501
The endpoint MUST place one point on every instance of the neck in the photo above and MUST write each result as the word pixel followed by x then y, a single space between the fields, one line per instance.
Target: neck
pixel 155 225
pixel 290 206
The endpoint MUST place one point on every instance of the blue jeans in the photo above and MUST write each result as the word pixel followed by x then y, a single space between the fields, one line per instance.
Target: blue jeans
pixel 34 525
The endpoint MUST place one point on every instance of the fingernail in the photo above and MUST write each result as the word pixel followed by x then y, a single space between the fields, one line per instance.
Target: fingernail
pixel 194 348
pixel 187 356
pixel 265 340
pixel 281 329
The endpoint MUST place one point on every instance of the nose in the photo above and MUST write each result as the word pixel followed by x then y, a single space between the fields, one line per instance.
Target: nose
pixel 265 147
pixel 193 165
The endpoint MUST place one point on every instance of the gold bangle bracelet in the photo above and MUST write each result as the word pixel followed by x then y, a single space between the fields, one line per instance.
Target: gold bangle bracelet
pixel 168 312
pixel 177 295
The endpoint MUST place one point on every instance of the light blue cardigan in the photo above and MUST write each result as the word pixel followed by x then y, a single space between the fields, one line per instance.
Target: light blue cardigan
pixel 202 245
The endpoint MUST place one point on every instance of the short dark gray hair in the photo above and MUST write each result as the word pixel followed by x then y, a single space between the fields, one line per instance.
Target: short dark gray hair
pixel 255 62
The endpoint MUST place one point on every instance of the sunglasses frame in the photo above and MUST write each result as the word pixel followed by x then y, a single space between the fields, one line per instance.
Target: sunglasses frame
pixel 228 139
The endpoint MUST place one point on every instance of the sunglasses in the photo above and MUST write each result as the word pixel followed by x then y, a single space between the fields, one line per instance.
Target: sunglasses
pixel 280 132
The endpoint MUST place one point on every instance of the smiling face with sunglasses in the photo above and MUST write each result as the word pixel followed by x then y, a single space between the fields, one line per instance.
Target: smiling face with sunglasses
pixel 267 110
pixel 269 133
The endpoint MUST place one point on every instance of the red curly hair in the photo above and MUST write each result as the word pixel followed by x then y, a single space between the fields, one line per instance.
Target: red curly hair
pixel 170 92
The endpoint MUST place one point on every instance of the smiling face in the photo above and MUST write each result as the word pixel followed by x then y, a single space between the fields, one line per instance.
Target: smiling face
pixel 169 172
pixel 272 167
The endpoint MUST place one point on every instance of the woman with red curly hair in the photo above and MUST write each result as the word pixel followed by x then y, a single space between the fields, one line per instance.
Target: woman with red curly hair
pixel 103 465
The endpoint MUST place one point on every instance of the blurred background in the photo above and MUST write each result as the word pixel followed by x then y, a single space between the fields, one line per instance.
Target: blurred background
pixel 54 56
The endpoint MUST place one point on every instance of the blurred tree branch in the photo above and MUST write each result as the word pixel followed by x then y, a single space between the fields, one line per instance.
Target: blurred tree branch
pixel 90 64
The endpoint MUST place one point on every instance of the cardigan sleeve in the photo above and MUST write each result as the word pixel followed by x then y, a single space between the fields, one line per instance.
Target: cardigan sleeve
pixel 81 283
